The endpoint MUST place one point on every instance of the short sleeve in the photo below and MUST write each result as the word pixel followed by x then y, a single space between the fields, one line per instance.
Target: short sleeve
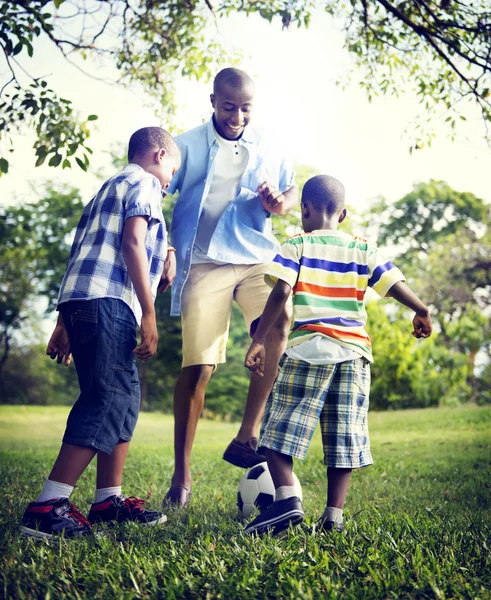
pixel 285 265
pixel 382 273
pixel 287 175
pixel 143 199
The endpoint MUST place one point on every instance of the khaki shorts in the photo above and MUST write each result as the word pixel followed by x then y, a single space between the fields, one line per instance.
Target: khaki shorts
pixel 207 305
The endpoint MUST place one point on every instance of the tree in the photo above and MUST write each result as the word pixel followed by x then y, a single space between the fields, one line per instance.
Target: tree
pixel 33 255
pixel 440 49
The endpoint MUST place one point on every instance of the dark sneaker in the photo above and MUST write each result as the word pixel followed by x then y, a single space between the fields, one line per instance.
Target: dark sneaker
pixel 178 496
pixel 121 509
pixel 325 525
pixel 278 516
pixel 54 517
pixel 242 454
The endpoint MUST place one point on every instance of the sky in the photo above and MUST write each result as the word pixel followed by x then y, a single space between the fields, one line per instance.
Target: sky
pixel 335 131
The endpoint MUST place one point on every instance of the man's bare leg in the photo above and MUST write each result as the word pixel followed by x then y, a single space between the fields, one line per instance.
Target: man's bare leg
pixel 189 399
pixel 260 387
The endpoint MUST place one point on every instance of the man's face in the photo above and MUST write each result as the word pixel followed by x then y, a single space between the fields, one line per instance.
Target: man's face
pixel 233 109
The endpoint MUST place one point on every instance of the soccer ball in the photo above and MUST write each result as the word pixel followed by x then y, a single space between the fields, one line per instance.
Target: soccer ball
pixel 256 490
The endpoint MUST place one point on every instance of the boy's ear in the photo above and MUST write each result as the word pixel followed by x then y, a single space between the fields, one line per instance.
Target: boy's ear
pixel 212 100
pixel 159 155
pixel 343 215
pixel 305 210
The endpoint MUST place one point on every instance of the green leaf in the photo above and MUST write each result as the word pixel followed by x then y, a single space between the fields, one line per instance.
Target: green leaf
pixel 58 3
pixel 55 160
pixel 40 160
pixel 92 118
pixel 81 164
pixel 4 165
pixel 66 164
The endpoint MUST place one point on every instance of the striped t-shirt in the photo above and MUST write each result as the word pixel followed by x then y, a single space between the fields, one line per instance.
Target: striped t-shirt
pixel 329 272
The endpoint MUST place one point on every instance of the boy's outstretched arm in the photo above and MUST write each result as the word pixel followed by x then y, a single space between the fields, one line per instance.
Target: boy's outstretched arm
pixel 135 257
pixel 255 357
pixel 422 320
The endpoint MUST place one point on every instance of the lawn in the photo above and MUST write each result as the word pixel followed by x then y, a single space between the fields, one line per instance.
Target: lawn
pixel 418 521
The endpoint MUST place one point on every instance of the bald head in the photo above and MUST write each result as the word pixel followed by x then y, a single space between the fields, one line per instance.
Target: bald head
pixel 325 194
pixel 234 78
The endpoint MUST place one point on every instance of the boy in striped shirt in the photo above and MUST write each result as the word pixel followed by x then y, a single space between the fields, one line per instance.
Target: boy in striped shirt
pixel 325 371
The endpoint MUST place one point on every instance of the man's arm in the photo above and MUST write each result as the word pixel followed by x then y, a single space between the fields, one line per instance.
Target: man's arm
pixel 274 201
pixel 255 357
pixel 422 320
pixel 135 257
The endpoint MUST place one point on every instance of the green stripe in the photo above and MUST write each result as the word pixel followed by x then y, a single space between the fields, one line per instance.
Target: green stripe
pixel 327 240
pixel 301 299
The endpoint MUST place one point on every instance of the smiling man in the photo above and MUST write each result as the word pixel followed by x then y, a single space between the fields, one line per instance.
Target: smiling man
pixel 230 183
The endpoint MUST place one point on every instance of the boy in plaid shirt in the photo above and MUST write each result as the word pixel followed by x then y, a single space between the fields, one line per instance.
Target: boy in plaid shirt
pixel 115 267
pixel 325 371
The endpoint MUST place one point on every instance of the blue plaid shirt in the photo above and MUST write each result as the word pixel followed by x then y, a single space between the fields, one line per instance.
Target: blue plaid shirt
pixel 243 235
pixel 96 268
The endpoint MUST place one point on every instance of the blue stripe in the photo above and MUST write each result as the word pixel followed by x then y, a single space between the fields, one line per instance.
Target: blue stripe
pixel 340 321
pixel 330 265
pixel 285 262
pixel 379 271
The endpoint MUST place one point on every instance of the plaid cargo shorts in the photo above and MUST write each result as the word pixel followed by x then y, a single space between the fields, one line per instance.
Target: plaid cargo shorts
pixel 337 394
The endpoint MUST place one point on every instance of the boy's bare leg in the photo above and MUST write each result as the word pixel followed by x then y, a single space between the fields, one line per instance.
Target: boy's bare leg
pixel 189 400
pixel 260 387
pixel 337 486
pixel 281 468
pixel 71 463
pixel 110 466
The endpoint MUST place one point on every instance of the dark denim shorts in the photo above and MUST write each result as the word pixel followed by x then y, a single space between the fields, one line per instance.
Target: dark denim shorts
pixel 102 336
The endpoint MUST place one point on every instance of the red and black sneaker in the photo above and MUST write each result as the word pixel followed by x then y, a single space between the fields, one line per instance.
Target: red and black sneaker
pixel 121 509
pixel 54 517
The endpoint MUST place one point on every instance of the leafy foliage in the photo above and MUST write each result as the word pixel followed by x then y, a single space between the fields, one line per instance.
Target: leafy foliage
pixel 440 49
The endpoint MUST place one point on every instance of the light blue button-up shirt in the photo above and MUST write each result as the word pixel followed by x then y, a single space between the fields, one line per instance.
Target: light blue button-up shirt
pixel 243 235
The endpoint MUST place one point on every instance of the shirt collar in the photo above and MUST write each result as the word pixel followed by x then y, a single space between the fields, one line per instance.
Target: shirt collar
pixel 248 137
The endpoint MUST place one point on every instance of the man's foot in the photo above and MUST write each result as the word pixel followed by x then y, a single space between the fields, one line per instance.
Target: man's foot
pixel 178 496
pixel 121 510
pixel 278 516
pixel 54 517
pixel 324 525
pixel 242 454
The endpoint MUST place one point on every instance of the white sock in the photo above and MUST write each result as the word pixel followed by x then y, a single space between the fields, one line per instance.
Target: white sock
pixel 284 492
pixel 54 489
pixel 331 513
pixel 103 493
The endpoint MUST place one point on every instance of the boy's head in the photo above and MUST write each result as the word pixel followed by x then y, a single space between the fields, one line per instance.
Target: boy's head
pixel 155 150
pixel 322 203
pixel 232 100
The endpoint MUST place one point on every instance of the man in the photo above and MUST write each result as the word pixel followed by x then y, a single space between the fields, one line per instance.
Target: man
pixel 230 183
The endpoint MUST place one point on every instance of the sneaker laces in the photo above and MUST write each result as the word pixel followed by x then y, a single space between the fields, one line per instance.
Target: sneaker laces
pixel 133 504
pixel 78 516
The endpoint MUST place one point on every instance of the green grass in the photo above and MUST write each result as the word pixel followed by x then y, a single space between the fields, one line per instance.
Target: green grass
pixel 418 521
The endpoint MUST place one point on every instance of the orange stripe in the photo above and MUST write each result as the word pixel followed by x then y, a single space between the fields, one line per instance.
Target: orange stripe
pixel 329 292
pixel 336 334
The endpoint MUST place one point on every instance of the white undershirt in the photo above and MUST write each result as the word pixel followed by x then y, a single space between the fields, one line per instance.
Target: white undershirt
pixel 320 350
pixel 230 164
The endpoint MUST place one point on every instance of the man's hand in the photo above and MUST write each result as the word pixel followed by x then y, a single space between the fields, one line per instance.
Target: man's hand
pixel 169 272
pixel 271 199
pixel 422 326
pixel 255 359
pixel 59 346
pixel 149 338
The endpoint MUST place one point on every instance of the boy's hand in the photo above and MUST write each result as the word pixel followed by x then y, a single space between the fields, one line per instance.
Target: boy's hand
pixel 255 359
pixel 422 326
pixel 149 338
pixel 271 199
pixel 169 272
pixel 59 346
